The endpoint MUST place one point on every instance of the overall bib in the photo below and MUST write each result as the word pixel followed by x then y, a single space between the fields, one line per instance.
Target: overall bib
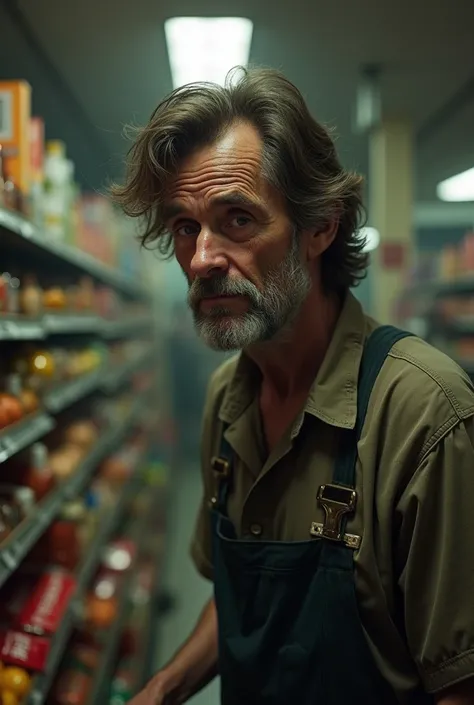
pixel 289 626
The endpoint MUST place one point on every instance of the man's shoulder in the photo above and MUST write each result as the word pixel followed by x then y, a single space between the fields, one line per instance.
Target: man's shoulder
pixel 427 372
pixel 421 393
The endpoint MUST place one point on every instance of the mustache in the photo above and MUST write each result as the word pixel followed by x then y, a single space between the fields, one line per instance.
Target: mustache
pixel 221 286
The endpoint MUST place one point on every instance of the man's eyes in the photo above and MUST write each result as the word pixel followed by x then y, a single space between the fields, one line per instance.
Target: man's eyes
pixel 231 223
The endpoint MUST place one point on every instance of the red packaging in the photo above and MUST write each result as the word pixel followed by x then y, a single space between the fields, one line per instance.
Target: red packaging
pixel 24 650
pixel 47 604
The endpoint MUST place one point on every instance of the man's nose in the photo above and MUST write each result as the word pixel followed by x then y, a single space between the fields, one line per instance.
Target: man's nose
pixel 209 257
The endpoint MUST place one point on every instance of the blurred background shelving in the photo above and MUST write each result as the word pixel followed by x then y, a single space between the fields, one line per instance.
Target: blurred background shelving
pixel 85 451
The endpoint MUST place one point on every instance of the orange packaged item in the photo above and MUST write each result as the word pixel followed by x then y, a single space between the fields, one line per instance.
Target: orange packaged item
pixel 15 104
pixel 14 387
pixel 11 410
pixel 31 297
pixel 15 684
pixel 55 299
pixel 102 602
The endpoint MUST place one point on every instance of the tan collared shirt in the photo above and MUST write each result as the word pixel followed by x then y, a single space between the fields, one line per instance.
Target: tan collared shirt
pixel 415 482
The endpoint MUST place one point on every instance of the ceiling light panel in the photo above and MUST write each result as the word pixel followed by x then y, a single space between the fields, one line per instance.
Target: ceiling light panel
pixel 206 48
pixel 457 188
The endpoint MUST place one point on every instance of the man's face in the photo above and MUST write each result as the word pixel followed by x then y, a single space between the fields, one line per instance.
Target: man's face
pixel 235 244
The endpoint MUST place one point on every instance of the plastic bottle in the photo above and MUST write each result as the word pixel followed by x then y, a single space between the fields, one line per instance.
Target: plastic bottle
pixel 57 174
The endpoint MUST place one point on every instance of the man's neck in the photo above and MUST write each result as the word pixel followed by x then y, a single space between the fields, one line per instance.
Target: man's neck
pixel 289 366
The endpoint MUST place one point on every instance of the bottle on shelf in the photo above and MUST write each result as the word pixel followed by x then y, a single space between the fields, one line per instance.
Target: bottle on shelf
pixel 56 190
pixel 39 475
pixel 11 408
pixel 27 397
pixel 12 196
pixel 31 297
pixel 10 293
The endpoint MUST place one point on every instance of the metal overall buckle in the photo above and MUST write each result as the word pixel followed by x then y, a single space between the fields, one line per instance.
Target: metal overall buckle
pixel 221 470
pixel 337 502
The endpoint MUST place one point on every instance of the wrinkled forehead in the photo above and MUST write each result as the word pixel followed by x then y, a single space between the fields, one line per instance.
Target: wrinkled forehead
pixel 233 161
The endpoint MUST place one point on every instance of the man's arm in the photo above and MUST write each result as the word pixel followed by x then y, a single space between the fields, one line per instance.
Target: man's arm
pixel 434 561
pixel 192 668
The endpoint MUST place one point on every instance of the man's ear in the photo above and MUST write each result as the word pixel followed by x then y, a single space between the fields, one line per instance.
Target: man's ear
pixel 318 241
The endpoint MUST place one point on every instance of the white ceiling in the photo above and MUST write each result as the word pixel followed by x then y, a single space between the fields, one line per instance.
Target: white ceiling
pixel 96 65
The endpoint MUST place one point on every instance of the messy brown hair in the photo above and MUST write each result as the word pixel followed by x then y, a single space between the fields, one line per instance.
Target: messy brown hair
pixel 299 159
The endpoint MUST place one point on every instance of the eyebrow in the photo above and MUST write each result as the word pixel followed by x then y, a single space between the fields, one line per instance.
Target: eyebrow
pixel 234 198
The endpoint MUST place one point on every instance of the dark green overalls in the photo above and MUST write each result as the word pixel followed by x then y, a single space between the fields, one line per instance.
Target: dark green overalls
pixel 289 626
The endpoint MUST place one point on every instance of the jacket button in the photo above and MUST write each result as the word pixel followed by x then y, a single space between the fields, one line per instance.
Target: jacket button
pixel 256 530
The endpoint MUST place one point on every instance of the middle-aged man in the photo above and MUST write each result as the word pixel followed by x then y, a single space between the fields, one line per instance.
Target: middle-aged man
pixel 337 522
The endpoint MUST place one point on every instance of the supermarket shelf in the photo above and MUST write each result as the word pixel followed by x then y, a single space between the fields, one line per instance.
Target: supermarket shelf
pixel 69 392
pixel 42 683
pixel 111 642
pixel 22 434
pixel 65 324
pixel 15 328
pixel 20 542
pixel 118 329
pixel 116 378
pixel 30 236
pixel 18 436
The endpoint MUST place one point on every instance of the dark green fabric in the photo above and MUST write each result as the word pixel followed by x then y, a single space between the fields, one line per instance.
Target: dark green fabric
pixel 289 627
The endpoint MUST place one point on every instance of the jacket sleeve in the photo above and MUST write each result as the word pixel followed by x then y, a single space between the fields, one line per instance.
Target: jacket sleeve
pixel 435 556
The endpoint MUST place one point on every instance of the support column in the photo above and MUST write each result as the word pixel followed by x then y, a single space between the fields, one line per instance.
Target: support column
pixel 391 212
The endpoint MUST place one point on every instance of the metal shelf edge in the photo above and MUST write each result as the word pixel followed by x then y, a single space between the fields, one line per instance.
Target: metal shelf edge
pixel 15 438
pixel 18 225
pixel 25 536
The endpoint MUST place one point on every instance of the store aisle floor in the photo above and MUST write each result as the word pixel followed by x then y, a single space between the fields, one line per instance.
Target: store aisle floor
pixel 180 577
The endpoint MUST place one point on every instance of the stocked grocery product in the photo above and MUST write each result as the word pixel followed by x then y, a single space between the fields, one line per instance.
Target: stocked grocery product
pixel 15 99
pixel 38 473
pixel 74 424
pixel 76 676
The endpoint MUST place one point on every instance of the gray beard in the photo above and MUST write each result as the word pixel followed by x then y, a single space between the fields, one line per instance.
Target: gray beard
pixel 271 311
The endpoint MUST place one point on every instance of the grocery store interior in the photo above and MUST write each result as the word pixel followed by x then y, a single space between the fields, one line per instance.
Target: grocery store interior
pixel 102 377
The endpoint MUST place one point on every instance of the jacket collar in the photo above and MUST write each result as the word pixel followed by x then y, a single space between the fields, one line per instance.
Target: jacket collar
pixel 333 395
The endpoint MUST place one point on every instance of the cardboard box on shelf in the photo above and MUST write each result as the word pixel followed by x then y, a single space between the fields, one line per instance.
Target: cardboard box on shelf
pixel 15 115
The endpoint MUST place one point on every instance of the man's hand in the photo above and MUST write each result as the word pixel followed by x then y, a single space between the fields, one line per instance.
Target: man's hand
pixel 158 692
pixel 191 669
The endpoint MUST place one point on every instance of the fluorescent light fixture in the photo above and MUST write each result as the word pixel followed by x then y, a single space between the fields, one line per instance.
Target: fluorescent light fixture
pixel 457 188
pixel 205 49
pixel 372 238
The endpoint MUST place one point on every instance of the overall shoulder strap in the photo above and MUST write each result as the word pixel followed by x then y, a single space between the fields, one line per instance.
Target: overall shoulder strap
pixel 376 349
